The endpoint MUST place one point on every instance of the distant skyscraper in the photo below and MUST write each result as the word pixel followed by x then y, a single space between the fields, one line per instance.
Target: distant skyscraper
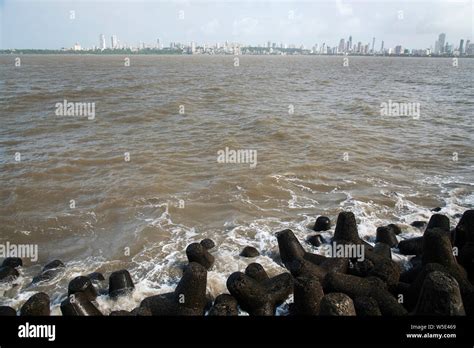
pixel 436 48
pixel 114 42
pixel 373 45
pixel 441 42
pixel 359 47
pixel 467 46
pixel 461 47
pixel 102 45
pixel 158 44
pixel 341 46
pixel 350 42
pixel 398 50
pixel 381 47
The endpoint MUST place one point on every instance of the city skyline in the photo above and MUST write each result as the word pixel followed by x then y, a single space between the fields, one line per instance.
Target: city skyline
pixel 349 46
pixel 54 24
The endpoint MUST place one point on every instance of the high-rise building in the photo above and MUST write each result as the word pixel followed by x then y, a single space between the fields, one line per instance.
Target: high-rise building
pixel 470 49
pixel 373 45
pixel 436 48
pixel 381 47
pixel 398 50
pixel 114 42
pixel 102 45
pixel 461 47
pixel 350 42
pixel 341 46
pixel 467 46
pixel 448 49
pixel 359 47
pixel 441 42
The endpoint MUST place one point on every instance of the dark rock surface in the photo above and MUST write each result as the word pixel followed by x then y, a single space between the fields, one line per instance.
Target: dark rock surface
pixel 249 251
pixel 198 253
pixel 37 305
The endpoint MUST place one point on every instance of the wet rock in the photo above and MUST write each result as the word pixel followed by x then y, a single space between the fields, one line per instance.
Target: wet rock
pixel 189 297
pixel 440 295
pixel 414 290
pixel 438 221
pixel 290 247
pixel 50 271
pixel 437 248
pixel 303 268
pixel 416 261
pixel 224 305
pixel 355 287
pixel 209 302
pixel 361 268
pixel 418 224
pixel 120 283
pixel 257 272
pixel 208 243
pixel 315 240
pixel 96 277
pixel 322 224
pixel 437 209
pixel 301 263
pixel 308 293
pixel 401 289
pixel 37 305
pixel 410 275
pixel 466 259
pixel 249 251
pixel 120 313
pixel 84 285
pixel 411 246
pixel 260 298
pixel 366 306
pixel 7 274
pixel 6 311
pixel 12 262
pixel 141 312
pixel 387 236
pixel 464 230
pixel 383 250
pixel 78 305
pixel 386 270
pixel 346 229
pixel 191 290
pixel 337 304
pixel 395 229
pixel 197 253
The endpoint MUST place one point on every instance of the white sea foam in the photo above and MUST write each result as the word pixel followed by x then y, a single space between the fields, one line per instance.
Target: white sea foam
pixel 158 267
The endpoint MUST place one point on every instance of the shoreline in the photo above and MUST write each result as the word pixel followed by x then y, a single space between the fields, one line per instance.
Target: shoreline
pixel 118 53
pixel 439 281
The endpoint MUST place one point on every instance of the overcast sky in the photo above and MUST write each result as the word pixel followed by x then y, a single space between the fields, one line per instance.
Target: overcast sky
pixel 413 24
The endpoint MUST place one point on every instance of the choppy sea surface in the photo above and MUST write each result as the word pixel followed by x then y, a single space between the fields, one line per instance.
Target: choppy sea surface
pixel 322 147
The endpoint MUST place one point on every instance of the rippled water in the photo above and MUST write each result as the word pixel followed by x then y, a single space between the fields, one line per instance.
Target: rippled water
pixel 335 152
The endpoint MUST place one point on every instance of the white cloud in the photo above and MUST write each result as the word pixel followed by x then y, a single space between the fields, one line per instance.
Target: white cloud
pixel 210 27
pixel 343 9
pixel 245 26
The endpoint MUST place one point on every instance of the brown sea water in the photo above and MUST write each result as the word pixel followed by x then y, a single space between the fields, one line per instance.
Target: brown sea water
pixel 334 152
